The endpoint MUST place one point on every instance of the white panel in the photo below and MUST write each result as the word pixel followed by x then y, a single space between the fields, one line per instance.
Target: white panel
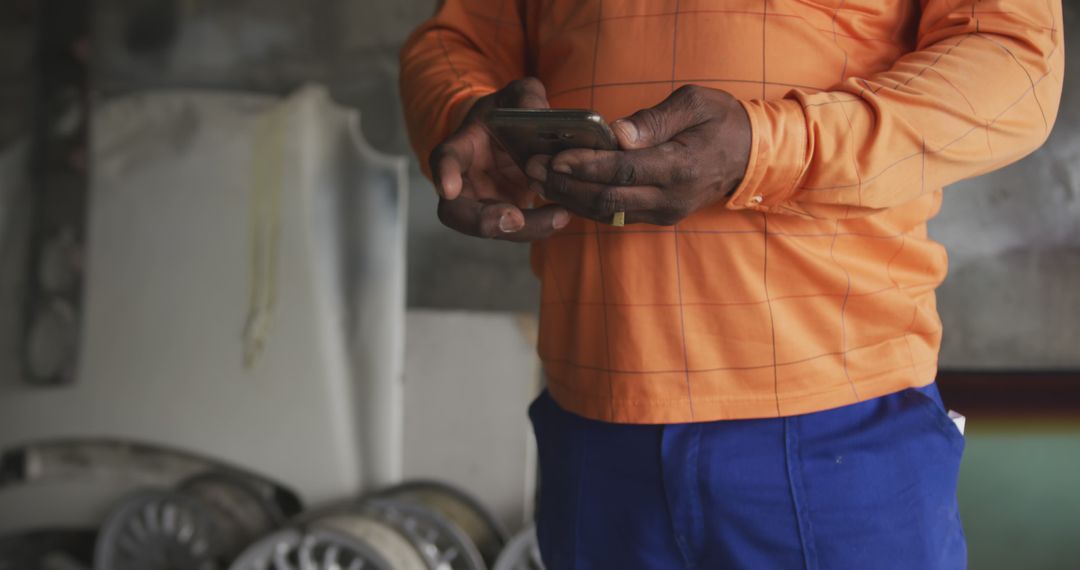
pixel 470 377
pixel 175 179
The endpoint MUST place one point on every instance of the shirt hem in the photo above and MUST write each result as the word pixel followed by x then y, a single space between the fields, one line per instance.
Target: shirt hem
pixel 706 409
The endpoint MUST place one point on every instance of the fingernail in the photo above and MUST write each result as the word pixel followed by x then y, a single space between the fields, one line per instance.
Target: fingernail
pixel 629 130
pixel 447 187
pixel 561 167
pixel 536 171
pixel 507 224
pixel 560 219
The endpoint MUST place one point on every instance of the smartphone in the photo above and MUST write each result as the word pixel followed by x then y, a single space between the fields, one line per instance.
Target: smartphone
pixel 527 132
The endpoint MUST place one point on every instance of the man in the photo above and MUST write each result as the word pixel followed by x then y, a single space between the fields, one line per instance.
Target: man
pixel 742 376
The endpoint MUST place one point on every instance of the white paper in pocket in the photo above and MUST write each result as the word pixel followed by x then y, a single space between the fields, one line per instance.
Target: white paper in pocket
pixel 959 420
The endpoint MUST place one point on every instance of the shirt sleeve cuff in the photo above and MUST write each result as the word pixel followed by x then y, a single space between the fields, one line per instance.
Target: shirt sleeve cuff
pixel 779 155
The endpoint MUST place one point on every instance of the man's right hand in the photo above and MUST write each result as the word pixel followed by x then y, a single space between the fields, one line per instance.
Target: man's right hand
pixel 482 192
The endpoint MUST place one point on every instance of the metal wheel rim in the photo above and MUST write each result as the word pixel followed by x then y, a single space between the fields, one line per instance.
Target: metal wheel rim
pixel 382 538
pixel 521 553
pixel 246 515
pixel 443 544
pixel 489 537
pixel 294 549
pixel 158 530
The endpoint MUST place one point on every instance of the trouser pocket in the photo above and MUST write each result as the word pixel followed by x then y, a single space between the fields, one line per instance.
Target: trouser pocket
pixel 929 399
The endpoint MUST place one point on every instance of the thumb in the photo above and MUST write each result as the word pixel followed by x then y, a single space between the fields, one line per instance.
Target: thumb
pixel 649 127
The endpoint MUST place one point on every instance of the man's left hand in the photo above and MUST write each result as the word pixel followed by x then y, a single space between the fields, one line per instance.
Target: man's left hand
pixel 678 157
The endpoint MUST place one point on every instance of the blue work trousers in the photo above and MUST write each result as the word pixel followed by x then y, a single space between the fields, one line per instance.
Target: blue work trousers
pixel 869 486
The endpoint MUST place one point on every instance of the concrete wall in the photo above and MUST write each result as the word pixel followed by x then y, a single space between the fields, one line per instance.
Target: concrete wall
pixel 16 50
pixel 1012 298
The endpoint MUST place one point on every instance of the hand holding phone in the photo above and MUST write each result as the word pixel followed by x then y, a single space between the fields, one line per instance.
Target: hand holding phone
pixel 524 133
pixel 482 190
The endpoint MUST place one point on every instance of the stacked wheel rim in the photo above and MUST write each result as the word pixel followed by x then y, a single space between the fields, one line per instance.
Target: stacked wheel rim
pixel 442 544
pixel 201 525
pixel 461 510
pixel 522 553
pixel 394 548
pixel 340 542
pixel 416 526
pixel 243 514
pixel 159 530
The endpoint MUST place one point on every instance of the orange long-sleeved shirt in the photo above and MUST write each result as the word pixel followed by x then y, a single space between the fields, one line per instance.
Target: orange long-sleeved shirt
pixel 813 286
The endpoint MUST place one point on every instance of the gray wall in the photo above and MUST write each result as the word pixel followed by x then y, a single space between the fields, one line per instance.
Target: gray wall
pixel 16 49
pixel 1012 298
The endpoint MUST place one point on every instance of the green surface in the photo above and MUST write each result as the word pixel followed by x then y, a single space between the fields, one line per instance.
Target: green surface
pixel 1020 496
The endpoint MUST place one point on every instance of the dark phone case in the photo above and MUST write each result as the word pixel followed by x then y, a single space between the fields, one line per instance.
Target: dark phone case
pixel 527 132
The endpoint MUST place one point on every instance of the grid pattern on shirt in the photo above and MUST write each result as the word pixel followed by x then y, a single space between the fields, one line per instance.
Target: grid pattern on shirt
pixel 819 297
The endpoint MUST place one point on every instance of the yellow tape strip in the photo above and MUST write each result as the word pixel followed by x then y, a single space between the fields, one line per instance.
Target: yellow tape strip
pixel 267 172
